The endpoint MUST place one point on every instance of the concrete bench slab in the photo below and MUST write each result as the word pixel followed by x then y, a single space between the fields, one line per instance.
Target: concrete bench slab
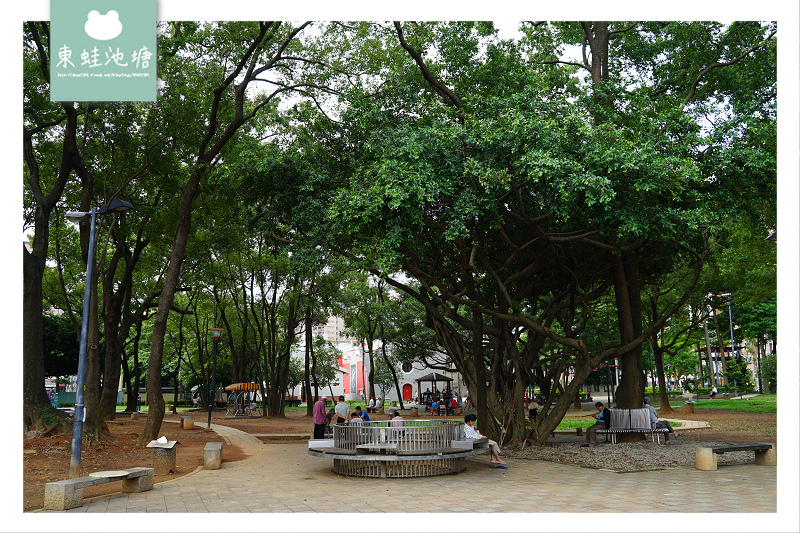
pixel 68 493
pixel 706 457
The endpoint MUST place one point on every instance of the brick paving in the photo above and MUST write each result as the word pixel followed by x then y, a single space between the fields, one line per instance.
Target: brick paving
pixel 283 478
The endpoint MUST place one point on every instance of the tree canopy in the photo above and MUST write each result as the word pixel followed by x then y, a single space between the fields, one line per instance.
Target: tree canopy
pixel 543 205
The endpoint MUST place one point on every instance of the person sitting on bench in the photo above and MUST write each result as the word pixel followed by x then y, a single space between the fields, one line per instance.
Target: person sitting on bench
pixel 360 414
pixel 471 432
pixel 656 423
pixel 603 418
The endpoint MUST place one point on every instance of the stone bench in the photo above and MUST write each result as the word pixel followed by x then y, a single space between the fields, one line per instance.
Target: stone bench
pixel 187 422
pixel 706 457
pixel 68 493
pixel 212 456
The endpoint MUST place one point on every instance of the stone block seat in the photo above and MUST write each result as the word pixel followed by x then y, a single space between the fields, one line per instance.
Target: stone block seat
pixel 212 456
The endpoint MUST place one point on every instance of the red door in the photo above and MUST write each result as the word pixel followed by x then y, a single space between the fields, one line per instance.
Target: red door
pixel 406 392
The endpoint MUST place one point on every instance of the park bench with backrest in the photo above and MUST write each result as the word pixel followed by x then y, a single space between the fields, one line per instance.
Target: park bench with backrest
pixel 628 421
pixel 706 457
pixel 68 493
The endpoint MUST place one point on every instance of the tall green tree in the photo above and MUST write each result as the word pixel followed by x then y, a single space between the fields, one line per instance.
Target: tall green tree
pixel 234 57
pixel 518 200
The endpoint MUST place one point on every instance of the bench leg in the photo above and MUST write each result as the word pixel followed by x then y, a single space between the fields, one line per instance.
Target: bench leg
pixel 138 484
pixel 767 457
pixel 705 459
pixel 60 497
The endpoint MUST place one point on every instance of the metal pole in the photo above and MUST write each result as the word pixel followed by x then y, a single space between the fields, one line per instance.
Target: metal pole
pixel 212 399
pixel 730 318
pixel 80 414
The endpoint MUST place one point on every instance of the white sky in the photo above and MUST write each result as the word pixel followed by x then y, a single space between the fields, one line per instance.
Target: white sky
pixel 786 12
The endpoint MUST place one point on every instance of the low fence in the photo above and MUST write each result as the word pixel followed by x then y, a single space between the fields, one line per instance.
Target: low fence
pixel 405 435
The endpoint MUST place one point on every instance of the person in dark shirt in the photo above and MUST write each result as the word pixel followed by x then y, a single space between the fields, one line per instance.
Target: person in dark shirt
pixel 603 421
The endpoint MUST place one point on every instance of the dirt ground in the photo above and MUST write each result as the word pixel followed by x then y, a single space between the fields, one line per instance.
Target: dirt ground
pixel 46 458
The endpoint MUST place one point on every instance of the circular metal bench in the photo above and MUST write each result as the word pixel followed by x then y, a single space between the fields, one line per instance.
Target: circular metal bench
pixel 386 449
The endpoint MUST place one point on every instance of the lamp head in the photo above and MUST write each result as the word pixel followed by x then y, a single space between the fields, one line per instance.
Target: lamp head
pixel 217 332
pixel 76 216
pixel 116 205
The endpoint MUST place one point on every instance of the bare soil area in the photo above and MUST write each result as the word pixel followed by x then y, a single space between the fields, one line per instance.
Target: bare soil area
pixel 46 458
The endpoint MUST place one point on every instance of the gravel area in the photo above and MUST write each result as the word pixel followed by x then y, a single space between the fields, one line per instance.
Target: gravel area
pixel 627 457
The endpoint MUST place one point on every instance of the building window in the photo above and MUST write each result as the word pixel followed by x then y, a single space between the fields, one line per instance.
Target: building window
pixel 407 367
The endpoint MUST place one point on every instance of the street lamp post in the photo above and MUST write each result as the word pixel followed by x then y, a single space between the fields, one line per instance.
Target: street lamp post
pixel 216 332
pixel 79 413
pixel 730 318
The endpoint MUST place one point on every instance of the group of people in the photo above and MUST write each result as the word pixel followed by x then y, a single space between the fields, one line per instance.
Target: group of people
pixel 341 413
pixel 373 405
pixel 434 401
pixel 338 414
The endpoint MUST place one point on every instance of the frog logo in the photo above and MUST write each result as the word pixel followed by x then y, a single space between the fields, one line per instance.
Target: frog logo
pixel 103 27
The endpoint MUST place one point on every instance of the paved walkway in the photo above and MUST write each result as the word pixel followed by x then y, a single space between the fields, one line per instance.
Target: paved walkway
pixel 283 478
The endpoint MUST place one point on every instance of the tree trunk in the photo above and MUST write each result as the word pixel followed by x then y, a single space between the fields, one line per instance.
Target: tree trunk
pixel 155 400
pixel 630 390
pixel 37 412
pixel 111 372
pixel 309 356
pixel 132 376
pixel 481 396
pixel 93 426
pixel 663 397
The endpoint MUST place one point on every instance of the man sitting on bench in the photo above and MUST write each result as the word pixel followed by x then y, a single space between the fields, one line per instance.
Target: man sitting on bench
pixel 656 423
pixel 603 418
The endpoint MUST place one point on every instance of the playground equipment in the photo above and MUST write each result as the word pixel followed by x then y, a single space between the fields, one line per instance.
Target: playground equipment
pixel 244 400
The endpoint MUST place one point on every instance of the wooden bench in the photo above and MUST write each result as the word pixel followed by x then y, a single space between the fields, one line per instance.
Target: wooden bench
pixel 212 456
pixel 706 457
pixel 631 421
pixel 68 493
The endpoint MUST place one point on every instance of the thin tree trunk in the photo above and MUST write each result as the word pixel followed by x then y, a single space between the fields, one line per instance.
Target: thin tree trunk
pixel 155 401
pixel 709 363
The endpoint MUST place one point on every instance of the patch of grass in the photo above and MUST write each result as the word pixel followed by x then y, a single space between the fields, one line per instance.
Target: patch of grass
pixel 574 423
pixel 765 403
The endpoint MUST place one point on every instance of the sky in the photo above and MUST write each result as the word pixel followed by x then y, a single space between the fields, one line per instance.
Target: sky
pixel 507 13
